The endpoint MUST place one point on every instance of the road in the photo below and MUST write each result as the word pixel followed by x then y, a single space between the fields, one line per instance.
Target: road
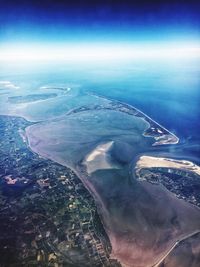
pixel 174 245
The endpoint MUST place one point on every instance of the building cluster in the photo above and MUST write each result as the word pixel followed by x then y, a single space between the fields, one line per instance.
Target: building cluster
pixel 184 184
pixel 47 217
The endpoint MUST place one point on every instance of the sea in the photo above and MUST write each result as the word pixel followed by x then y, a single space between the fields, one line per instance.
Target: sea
pixel 168 91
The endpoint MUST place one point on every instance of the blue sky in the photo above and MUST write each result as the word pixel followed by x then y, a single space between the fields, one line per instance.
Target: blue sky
pixel 90 21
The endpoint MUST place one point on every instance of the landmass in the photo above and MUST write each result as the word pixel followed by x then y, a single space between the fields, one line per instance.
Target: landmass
pixel 155 130
pixel 87 186
pixel 47 217
pixel 30 98
pixel 180 177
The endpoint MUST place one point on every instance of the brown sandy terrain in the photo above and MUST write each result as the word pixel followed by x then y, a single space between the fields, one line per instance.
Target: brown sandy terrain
pixel 155 162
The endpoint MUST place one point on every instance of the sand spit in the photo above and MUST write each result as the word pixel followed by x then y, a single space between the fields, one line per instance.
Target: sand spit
pixel 162 136
pixel 155 162
pixel 98 158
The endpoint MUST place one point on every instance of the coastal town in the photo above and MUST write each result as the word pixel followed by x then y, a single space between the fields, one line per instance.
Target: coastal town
pixel 179 177
pixel 47 217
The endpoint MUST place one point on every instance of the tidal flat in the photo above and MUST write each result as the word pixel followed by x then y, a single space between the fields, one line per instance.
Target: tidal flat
pixel 143 221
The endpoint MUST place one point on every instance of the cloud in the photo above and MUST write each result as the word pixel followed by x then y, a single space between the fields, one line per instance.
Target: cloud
pixel 8 85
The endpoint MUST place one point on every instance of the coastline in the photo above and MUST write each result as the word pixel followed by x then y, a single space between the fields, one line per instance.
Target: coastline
pixel 139 113
pixel 142 117
pixel 159 162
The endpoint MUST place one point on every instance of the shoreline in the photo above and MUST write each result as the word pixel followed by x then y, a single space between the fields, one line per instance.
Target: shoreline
pixel 160 162
pixel 131 108
pixel 146 118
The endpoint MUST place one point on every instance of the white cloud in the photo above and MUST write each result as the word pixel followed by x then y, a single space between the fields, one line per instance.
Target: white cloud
pixel 7 84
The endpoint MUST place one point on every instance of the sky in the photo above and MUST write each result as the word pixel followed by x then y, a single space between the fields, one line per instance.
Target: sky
pixel 77 22
pixel 58 20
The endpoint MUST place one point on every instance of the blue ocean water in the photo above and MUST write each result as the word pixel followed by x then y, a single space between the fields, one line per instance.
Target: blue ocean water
pixel 170 94
pixel 168 91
